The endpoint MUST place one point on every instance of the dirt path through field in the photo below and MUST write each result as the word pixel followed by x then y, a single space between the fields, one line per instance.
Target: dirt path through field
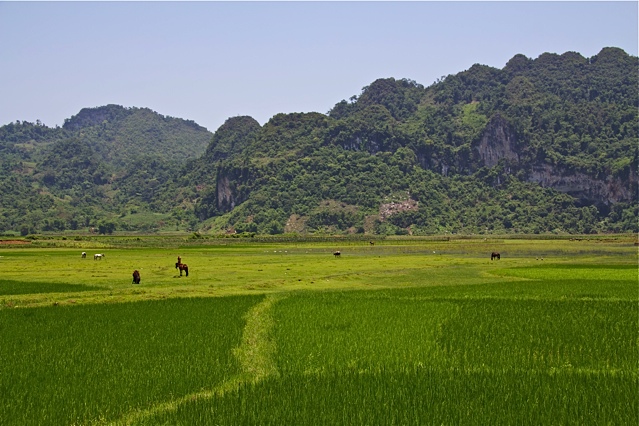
pixel 256 355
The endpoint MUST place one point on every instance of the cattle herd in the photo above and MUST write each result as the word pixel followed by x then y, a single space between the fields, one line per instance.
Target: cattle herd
pixel 183 267
pixel 136 274
pixel 97 256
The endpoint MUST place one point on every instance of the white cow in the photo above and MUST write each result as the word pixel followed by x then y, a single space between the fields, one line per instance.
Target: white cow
pixel 98 256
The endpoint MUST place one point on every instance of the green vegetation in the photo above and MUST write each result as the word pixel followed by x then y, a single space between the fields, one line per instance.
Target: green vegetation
pixel 421 396
pixel 77 364
pixel 545 145
pixel 18 287
pixel 406 331
pixel 104 164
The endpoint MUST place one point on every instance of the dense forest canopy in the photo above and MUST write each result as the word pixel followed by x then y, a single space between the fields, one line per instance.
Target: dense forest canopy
pixel 543 145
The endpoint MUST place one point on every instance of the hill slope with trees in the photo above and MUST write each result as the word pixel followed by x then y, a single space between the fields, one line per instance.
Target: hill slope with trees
pixel 100 164
pixel 543 145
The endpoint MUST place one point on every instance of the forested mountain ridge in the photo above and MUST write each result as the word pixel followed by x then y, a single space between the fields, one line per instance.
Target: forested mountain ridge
pixel 133 132
pixel 115 133
pixel 537 129
pixel 83 173
pixel 542 145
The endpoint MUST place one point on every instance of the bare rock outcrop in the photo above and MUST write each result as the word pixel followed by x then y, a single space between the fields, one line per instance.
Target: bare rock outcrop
pixel 225 198
pixel 611 190
pixel 389 209
pixel 498 142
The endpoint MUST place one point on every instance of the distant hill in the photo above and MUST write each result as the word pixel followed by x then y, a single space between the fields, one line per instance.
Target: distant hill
pixel 543 145
pixel 126 133
pixel 115 133
pixel 84 172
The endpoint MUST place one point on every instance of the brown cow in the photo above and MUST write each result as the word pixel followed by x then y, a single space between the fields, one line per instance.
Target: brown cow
pixel 136 277
pixel 494 255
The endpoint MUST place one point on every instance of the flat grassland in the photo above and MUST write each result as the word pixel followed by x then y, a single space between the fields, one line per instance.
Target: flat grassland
pixel 405 331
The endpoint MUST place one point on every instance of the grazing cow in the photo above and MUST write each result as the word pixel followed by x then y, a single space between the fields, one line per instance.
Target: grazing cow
pixel 372 243
pixel 494 255
pixel 136 277
pixel 84 255
pixel 98 256
pixel 337 253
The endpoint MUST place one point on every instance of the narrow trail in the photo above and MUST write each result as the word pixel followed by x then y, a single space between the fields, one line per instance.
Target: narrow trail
pixel 255 354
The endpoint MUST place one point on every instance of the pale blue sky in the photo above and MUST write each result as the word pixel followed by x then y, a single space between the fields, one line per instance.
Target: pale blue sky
pixel 208 61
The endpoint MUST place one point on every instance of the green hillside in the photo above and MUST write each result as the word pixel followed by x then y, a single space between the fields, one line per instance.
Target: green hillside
pixel 543 145
pixel 100 164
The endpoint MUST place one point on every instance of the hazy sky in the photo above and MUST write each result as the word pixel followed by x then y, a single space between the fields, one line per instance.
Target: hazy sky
pixel 208 61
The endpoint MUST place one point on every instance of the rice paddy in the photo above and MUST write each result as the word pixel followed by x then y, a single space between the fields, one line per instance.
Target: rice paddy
pixel 402 332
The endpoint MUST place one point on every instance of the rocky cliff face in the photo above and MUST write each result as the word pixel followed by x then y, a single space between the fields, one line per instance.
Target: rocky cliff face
pixel 225 198
pixel 499 142
pixel 233 186
pixel 579 185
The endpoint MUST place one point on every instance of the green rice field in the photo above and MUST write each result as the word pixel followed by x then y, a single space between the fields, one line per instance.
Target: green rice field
pixel 406 332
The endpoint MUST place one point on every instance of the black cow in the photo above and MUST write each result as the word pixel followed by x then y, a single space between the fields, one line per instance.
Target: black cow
pixel 494 255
